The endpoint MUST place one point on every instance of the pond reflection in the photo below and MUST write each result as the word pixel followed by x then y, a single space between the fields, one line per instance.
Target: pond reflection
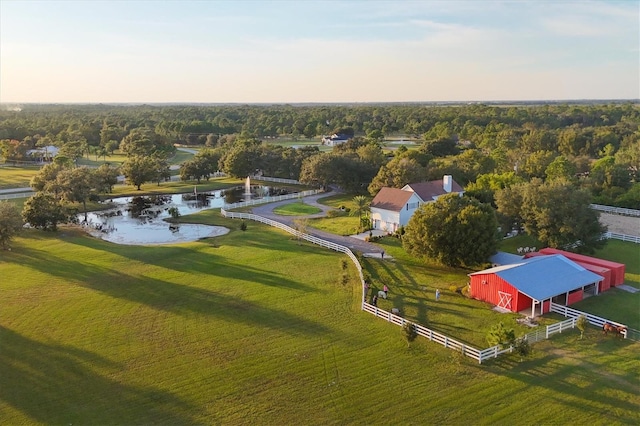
pixel 140 220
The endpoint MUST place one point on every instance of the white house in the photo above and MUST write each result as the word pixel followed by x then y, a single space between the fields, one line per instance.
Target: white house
pixel 335 139
pixel 45 153
pixel 392 207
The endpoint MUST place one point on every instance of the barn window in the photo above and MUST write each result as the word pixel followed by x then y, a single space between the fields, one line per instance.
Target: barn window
pixel 484 282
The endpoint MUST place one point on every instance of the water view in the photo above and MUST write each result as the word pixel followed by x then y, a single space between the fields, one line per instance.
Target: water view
pixel 140 220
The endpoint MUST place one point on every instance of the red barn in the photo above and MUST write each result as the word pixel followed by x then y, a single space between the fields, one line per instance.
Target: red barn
pixel 605 273
pixel 617 269
pixel 536 281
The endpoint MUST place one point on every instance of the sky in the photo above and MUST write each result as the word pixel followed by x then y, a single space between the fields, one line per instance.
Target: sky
pixel 317 51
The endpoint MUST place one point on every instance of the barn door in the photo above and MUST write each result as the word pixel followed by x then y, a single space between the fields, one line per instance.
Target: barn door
pixel 505 300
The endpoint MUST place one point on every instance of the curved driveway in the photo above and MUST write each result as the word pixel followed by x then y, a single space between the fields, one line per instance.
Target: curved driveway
pixel 355 244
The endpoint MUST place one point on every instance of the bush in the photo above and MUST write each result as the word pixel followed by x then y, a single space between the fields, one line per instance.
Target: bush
pixel 409 332
pixel 335 213
pixel 243 226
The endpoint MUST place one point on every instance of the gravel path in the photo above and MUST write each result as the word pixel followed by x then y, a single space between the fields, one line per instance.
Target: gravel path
pixel 628 225
pixel 355 244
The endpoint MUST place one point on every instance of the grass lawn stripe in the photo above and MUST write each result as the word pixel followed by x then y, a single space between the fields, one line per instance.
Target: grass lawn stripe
pixel 254 328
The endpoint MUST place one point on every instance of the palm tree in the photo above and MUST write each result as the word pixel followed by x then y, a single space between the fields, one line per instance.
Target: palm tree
pixel 362 206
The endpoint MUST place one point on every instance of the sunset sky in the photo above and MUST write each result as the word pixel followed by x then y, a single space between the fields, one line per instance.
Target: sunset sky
pixel 310 51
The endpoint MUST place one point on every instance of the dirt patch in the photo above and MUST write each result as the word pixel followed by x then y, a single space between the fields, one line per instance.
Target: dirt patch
pixel 619 224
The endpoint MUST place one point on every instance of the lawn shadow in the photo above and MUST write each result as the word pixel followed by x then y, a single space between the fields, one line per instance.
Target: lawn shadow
pixel 53 383
pixel 561 370
pixel 190 260
pixel 167 296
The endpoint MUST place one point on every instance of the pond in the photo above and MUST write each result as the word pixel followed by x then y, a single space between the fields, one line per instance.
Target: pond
pixel 140 220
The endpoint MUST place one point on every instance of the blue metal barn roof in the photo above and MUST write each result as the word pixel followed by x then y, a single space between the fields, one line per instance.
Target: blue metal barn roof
pixel 544 277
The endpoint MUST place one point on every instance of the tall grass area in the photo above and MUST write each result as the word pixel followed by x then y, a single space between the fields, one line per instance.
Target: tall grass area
pixel 256 328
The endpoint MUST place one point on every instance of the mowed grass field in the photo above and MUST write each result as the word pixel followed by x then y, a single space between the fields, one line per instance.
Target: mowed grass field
pixel 16 177
pixel 256 328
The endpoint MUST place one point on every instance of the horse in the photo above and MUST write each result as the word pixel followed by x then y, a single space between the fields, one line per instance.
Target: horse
pixel 617 329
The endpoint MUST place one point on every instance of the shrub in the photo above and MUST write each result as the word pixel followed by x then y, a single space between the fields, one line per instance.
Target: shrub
pixel 582 323
pixel 409 332
pixel 243 226
pixel 522 347
pixel 500 335
pixel 344 264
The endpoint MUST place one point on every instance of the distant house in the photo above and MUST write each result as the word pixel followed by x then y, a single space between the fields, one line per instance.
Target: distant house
pixel 45 153
pixel 392 207
pixel 335 139
pixel 531 284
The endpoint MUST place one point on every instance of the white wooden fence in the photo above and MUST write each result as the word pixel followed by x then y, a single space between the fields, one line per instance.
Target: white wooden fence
pixel 301 235
pixel 593 319
pixel 13 195
pixel 266 200
pixel 277 180
pixel 623 237
pixel 434 336
pixel 615 210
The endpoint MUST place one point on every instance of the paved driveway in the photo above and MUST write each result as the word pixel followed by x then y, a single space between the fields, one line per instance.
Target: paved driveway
pixel 355 244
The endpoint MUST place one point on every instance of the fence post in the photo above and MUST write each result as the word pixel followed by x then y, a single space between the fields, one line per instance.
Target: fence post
pixel 547 333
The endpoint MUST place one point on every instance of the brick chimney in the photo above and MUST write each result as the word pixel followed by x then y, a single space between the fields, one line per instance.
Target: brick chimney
pixel 447 183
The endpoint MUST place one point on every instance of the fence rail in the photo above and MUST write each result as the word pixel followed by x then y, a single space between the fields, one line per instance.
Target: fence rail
pixel 593 319
pixel 274 179
pixel 615 210
pixel 13 195
pixel 434 336
pixel 623 237
pixel 266 200
pixel 301 235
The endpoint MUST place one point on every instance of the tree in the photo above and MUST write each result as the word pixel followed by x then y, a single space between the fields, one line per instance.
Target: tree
pixel 76 185
pixel 362 207
pixel 556 213
pixel 560 168
pixel 138 170
pixel 453 230
pixel 106 176
pixel 44 211
pixel 46 176
pixel 439 147
pixel 582 322
pixel 397 173
pixel 501 335
pixel 161 170
pixel 10 223
pixel 409 332
pixel 143 141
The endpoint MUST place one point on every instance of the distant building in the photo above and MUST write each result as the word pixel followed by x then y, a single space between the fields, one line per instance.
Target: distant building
pixel 392 207
pixel 335 139
pixel 45 153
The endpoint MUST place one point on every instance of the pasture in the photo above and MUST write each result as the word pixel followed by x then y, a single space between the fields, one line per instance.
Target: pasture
pixel 254 327
pixel 16 177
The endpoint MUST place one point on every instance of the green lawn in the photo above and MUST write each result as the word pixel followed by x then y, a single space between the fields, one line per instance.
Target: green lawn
pixel 256 328
pixel 16 177
pixel 296 209
pixel 343 224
